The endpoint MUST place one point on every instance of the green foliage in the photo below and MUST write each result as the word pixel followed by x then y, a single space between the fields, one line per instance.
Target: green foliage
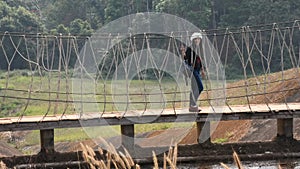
pixel 202 13
pixel 232 13
pixel 195 11
pixel 142 6
pixel 225 139
pixel 61 29
pixel 220 140
pixel 236 13
pixel 18 19
pixel 82 17
pixel 10 108
pixel 64 12
pixel 116 9
pixel 79 26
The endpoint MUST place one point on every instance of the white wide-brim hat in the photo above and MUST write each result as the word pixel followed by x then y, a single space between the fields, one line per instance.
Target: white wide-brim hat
pixel 196 35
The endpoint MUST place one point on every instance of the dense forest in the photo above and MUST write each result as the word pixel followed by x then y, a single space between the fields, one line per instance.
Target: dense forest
pixel 83 17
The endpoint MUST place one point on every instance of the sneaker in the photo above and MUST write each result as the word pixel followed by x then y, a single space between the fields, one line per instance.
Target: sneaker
pixel 194 109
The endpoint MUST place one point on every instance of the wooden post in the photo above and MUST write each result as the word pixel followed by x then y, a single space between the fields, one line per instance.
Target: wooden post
pixel 285 128
pixel 47 141
pixel 127 137
pixel 203 132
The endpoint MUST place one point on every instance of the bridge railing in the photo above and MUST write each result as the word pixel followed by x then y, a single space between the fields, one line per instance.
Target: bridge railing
pixel 70 74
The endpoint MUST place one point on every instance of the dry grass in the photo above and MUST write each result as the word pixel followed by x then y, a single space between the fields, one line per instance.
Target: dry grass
pixel 114 159
pixel 2 165
pixel 125 161
pixel 170 159
pixel 237 162
pixel 119 160
pixel 268 88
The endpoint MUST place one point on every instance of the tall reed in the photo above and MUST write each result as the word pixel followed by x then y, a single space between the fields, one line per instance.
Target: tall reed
pixel 123 160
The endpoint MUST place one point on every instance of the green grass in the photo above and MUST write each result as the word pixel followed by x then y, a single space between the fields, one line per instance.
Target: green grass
pixel 40 86
pixel 141 128
pixel 225 139
pixel 220 140
pixel 85 133
pixel 139 90
pixel 79 134
pixel 37 87
pixel 106 91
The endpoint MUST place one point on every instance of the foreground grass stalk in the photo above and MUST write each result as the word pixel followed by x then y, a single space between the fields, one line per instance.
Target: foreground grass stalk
pixel 2 165
pixel 121 160
pixel 155 161
pixel 237 160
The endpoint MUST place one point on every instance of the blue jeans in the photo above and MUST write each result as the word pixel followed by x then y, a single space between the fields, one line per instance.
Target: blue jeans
pixel 196 87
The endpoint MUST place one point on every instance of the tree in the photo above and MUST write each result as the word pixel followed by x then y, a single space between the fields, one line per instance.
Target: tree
pixel 116 9
pixel 237 13
pixel 272 11
pixel 18 19
pixel 80 27
pixel 61 29
pixel 142 6
pixel 95 13
pixel 64 12
pixel 197 12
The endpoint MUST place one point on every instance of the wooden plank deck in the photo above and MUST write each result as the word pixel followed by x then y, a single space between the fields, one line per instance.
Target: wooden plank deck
pixel 238 112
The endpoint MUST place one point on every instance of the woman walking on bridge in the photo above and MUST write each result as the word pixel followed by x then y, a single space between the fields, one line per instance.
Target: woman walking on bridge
pixel 193 58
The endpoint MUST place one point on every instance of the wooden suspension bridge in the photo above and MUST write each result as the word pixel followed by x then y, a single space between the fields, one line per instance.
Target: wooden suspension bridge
pixel 49 82
pixel 283 113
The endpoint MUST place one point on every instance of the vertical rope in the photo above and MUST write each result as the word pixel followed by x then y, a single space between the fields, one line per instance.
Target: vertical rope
pixel 31 80
pixel 226 41
pixel 52 56
pixel 241 57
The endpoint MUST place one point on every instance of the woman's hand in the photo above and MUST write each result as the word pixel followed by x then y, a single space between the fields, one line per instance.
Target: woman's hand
pixel 203 74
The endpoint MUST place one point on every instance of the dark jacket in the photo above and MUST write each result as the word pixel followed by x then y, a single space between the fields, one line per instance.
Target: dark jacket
pixel 193 59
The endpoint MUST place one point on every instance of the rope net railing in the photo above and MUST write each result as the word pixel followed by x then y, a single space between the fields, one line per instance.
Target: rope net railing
pixel 45 74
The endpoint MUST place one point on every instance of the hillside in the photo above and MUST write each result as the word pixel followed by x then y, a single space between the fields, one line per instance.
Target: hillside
pixel 244 130
pixel 258 130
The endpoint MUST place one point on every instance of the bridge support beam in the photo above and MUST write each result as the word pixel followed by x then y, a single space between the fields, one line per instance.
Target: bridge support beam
pixel 127 137
pixel 285 128
pixel 203 132
pixel 47 141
